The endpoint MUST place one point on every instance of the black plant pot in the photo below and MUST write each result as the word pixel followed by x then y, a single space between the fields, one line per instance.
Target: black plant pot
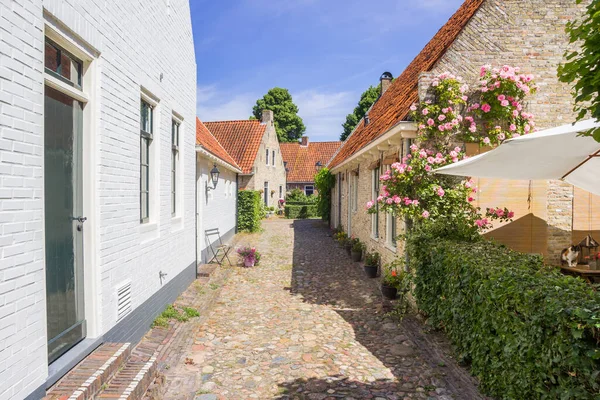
pixel 371 271
pixel 356 255
pixel 389 292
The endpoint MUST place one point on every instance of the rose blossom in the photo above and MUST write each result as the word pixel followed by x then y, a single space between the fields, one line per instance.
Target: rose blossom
pixel 486 140
pixel 425 111
pixel 470 199
pixel 441 128
pixel 422 154
pixel 430 122
pixel 513 127
pixel 511 214
pixel 486 108
pixel 442 117
pixel 389 201
pixel 413 108
pixel 428 168
pixel 425 214
pixel 504 103
pixel 440 192
pixel 370 204
pixel 499 212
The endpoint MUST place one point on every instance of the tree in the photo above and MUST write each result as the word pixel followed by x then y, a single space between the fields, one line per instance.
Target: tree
pixel 367 99
pixel 582 65
pixel 324 181
pixel 288 124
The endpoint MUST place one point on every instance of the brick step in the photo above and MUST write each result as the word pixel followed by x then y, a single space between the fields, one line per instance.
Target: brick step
pixel 86 380
pixel 132 381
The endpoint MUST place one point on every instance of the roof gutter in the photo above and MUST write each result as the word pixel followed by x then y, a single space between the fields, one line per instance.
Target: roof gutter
pixel 406 129
pixel 217 160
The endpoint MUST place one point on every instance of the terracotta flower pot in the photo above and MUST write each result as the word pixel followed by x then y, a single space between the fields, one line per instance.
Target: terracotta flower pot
pixel 356 255
pixel 371 270
pixel 390 292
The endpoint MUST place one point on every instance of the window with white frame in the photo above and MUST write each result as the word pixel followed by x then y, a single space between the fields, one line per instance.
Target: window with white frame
pixel 273 157
pixel 174 161
pixel 354 191
pixel 391 230
pixel 146 136
pixel 266 156
pixel 374 195
pixel 281 191
pixel 309 190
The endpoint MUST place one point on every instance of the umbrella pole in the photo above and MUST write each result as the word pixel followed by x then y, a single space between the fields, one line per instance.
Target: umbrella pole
pixel 581 163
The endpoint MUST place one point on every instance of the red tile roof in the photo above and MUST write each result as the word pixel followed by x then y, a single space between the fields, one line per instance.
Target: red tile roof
pixel 206 139
pixel 301 160
pixel 394 105
pixel 240 138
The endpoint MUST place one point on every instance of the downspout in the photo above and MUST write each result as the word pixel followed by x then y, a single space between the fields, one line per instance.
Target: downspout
pixel 197 211
pixel 237 189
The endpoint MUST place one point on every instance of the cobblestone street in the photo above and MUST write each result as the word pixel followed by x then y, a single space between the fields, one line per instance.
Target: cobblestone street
pixel 308 324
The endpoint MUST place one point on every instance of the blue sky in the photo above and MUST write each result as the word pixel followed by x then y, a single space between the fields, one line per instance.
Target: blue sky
pixel 326 52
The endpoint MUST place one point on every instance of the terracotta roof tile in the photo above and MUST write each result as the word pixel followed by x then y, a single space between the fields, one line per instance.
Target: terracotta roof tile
pixel 301 160
pixel 394 105
pixel 240 138
pixel 206 139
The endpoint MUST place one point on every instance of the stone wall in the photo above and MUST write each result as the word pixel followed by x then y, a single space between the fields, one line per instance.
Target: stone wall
pixel 528 34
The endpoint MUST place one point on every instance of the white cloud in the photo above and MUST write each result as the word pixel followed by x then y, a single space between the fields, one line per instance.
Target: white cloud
pixel 215 105
pixel 324 112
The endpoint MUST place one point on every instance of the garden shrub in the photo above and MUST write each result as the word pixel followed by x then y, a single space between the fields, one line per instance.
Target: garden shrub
pixel 324 181
pixel 528 331
pixel 250 211
pixel 301 211
pixel 298 196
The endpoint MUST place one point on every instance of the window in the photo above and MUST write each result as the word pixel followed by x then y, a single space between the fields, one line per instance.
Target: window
pixel 375 194
pixel 267 156
pixel 273 157
pixel 354 192
pixel 146 127
pixel 62 65
pixel 174 159
pixel 281 191
pixel 309 190
pixel 391 230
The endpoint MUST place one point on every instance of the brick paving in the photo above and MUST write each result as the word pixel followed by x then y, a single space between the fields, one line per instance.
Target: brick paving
pixel 308 324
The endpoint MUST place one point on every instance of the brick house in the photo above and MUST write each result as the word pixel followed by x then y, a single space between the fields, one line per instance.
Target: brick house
pixel 217 205
pixel 97 122
pixel 550 215
pixel 302 161
pixel 255 148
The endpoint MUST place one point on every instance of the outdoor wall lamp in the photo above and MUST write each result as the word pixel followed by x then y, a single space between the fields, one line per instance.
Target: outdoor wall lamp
pixel 214 176
pixel 318 166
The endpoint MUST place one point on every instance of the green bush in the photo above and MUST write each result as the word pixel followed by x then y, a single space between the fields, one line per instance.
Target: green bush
pixel 250 211
pixel 528 331
pixel 297 196
pixel 324 181
pixel 300 211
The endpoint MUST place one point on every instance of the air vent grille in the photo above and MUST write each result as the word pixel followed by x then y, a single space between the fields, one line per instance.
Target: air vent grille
pixel 123 301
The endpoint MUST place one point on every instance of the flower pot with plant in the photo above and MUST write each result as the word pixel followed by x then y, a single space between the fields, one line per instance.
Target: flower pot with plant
pixel 349 243
pixel 395 279
pixel 594 261
pixel 341 238
pixel 249 256
pixel 357 251
pixel 372 264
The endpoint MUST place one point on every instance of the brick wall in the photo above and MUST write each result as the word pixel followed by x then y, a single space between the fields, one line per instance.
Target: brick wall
pixel 274 174
pixel 23 365
pixel 130 56
pixel 530 35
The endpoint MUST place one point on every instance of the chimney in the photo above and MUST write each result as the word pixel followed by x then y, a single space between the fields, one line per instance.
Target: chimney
pixel 386 81
pixel 304 141
pixel 267 116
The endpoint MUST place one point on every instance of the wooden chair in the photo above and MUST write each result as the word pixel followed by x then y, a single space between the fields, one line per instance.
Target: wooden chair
pixel 219 250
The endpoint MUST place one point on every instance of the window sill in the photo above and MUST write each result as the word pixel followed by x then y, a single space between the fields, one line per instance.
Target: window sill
pixel 391 248
pixel 148 231
pixel 176 223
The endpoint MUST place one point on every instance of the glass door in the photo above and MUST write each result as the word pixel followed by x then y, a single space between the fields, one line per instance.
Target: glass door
pixel 63 124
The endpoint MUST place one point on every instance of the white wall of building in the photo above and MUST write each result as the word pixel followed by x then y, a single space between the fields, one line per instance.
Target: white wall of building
pixel 136 44
pixel 218 209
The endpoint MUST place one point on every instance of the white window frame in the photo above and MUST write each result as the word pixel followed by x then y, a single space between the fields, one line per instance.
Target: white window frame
pixel 354 192
pixel 266 194
pixel 374 194
pixel 267 160
pixel 146 139
pixel 153 172
pixel 175 123
pixel 273 157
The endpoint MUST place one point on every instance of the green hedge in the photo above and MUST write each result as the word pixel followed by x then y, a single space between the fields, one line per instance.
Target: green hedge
pixel 249 211
pixel 528 331
pixel 301 211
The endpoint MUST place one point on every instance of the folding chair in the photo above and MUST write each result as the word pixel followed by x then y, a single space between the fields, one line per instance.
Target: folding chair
pixel 222 250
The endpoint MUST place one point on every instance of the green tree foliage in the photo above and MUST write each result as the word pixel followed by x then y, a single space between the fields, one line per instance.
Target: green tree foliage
pixel 581 68
pixel 288 124
pixel 249 211
pixel 324 182
pixel 366 101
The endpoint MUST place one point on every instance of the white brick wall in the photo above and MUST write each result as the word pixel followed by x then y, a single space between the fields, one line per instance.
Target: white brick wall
pixel 22 289
pixel 138 41
pixel 218 210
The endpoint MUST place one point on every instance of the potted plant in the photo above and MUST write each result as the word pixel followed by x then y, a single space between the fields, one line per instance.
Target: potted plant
pixel 594 261
pixel 395 279
pixel 357 250
pixel 250 257
pixel 372 264
pixel 349 243
pixel 341 238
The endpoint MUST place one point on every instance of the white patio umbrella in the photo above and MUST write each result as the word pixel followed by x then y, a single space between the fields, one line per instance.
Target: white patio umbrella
pixel 556 153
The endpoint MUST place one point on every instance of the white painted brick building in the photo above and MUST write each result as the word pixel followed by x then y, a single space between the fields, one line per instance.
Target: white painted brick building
pixel 94 62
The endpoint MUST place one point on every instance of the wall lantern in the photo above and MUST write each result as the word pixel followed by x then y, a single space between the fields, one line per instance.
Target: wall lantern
pixel 214 176
pixel 318 166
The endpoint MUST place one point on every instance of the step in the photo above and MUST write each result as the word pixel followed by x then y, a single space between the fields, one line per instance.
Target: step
pixel 132 381
pixel 86 380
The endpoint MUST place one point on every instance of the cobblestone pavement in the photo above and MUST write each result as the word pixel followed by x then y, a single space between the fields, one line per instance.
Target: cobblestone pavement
pixel 308 324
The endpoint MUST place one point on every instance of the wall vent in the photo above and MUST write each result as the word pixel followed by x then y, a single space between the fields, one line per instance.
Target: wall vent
pixel 123 301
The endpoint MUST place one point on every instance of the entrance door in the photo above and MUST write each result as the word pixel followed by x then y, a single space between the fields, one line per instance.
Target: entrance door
pixel 266 194
pixel 349 202
pixel 63 124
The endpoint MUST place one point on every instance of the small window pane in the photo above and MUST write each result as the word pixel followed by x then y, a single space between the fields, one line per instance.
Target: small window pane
pixel 273 157
pixel 62 64
pixel 267 156
pixel 146 117
pixel 144 200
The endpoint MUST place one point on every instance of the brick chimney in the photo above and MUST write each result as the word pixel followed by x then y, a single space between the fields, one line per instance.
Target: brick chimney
pixel 267 117
pixel 386 81
pixel 304 142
